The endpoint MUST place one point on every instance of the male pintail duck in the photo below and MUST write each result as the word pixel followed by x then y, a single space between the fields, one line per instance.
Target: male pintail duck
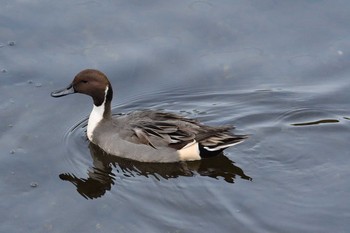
pixel 146 136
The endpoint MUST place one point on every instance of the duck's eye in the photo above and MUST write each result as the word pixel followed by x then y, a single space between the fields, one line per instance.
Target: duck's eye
pixel 84 81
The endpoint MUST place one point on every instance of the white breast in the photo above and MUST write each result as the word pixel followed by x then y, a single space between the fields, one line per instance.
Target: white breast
pixel 95 117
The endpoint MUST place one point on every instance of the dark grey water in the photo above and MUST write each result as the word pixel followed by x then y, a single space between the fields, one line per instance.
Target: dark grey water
pixel 278 70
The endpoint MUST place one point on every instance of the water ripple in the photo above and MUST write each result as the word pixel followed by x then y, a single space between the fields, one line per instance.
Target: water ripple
pixel 308 117
pixel 94 172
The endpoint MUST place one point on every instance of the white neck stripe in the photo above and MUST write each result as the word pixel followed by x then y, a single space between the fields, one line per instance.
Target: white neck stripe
pixel 96 116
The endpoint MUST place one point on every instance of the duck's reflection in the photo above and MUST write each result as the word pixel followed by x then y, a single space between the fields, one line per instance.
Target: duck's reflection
pixel 101 176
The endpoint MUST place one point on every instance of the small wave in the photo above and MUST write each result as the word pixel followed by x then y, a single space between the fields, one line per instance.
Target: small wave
pixel 325 121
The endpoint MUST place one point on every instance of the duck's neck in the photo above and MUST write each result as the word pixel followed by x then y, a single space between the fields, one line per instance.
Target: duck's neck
pixel 100 112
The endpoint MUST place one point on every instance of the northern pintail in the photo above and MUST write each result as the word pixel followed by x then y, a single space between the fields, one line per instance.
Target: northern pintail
pixel 146 136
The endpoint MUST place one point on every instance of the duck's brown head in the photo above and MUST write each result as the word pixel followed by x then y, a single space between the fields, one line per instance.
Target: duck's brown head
pixel 90 82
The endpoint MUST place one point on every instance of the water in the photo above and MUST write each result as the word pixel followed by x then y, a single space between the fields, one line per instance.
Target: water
pixel 278 71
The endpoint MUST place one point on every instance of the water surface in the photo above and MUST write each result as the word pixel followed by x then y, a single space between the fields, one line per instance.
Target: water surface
pixel 279 71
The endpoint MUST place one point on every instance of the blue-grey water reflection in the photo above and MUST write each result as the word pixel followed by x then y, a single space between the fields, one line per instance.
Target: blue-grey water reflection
pixel 101 175
pixel 278 70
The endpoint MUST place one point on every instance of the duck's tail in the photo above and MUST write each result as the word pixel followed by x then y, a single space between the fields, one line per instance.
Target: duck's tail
pixel 217 141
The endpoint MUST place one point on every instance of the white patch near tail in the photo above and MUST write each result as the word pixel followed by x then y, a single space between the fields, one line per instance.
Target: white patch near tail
pixel 189 152
pixel 221 147
pixel 95 117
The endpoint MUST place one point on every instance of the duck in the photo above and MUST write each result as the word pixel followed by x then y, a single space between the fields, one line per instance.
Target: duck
pixel 146 135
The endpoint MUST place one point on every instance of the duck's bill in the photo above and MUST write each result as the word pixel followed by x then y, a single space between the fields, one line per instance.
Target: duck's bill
pixel 66 91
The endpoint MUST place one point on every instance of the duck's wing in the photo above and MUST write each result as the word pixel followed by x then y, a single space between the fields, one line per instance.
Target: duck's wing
pixel 165 133
pixel 158 129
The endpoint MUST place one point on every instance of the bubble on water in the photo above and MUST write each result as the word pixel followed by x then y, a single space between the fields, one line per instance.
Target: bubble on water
pixel 3 71
pixel 98 226
pixel 340 52
pixel 30 81
pixel 38 84
pixel 11 43
pixel 12 152
pixel 34 184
